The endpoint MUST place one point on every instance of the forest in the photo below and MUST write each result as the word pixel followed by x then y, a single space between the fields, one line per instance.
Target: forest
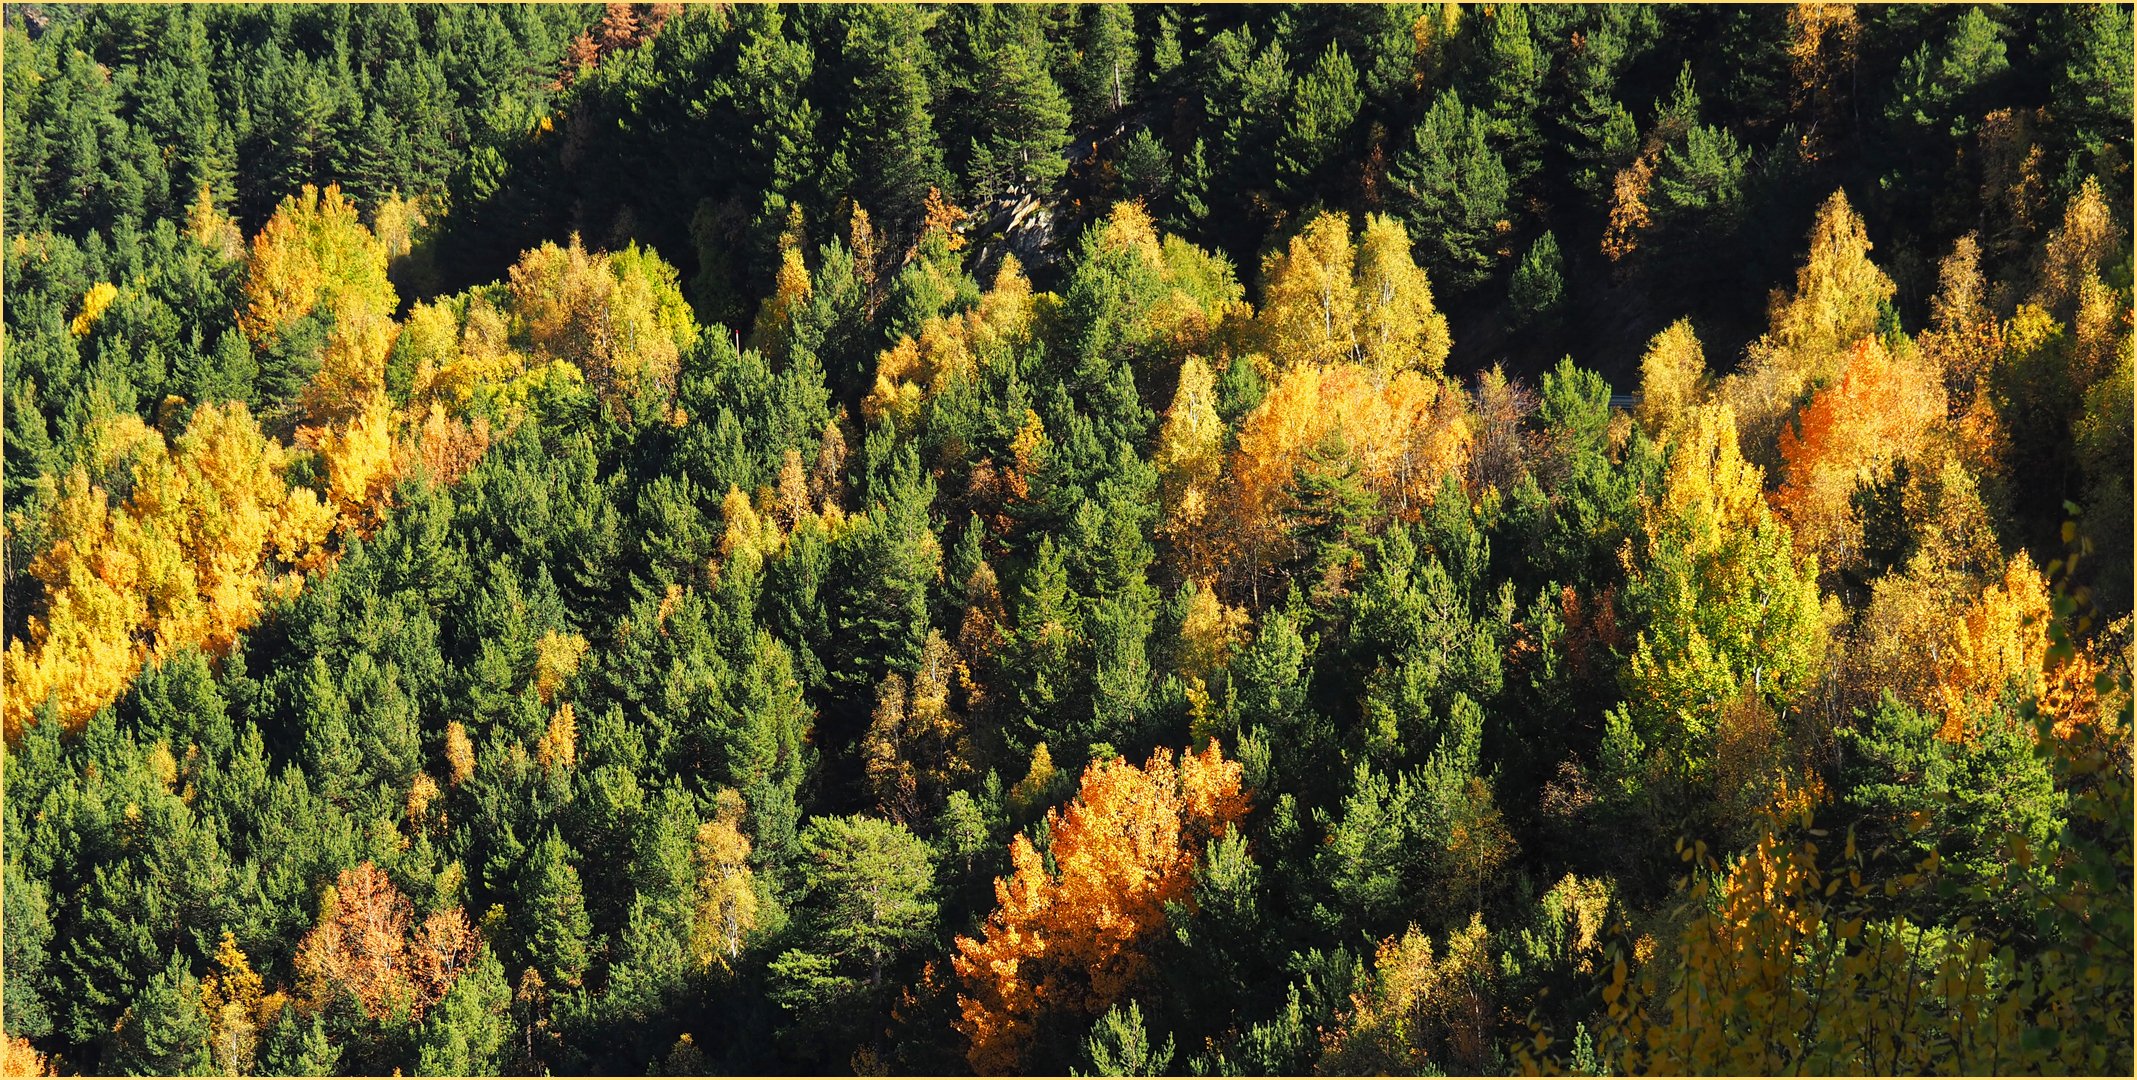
pixel 1090 539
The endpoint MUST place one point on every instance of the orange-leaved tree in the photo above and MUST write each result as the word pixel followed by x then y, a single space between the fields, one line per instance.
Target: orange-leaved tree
pixel 1072 940
pixel 1835 304
pixel 1884 409
pixel 368 946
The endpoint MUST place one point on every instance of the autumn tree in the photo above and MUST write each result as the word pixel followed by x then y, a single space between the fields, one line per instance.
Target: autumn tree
pixel 916 747
pixel 951 347
pixel 237 1006
pixel 1673 378
pixel 1072 940
pixel 1730 618
pixel 618 317
pixel 1326 301
pixel 1964 344
pixel 19 1058
pixel 1835 304
pixel 1997 641
pixel 314 250
pixel 366 946
pixel 1415 1011
pixel 1136 298
pixel 1398 326
pixel 1309 309
pixel 189 557
pixel 1406 432
pixel 726 892
pixel 1190 457
pixel 1882 409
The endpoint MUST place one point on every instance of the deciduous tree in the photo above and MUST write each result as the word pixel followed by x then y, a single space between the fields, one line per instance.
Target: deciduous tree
pixel 1074 939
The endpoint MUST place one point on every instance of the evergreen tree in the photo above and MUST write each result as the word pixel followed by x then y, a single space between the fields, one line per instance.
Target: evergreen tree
pixel 1508 81
pixel 468 1032
pixel 1003 87
pixel 165 1030
pixel 1332 513
pixel 1107 78
pixel 554 934
pixel 1040 651
pixel 1452 190
pixel 1537 290
pixel 879 576
pixel 1325 103
pixel 867 900
pixel 889 135
pixel 1119 1046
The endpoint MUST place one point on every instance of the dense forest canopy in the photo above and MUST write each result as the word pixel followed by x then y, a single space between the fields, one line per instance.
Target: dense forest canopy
pixel 1121 539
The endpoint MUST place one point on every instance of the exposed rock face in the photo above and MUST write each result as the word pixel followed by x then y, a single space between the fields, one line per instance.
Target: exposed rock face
pixel 1021 225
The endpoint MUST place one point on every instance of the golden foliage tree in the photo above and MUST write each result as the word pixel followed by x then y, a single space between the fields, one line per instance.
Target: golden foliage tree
pixel 2077 249
pixel 1964 343
pixel 953 346
pixel 1398 325
pixel 558 748
pixel 314 249
pixel 1963 339
pixel 790 290
pixel 352 365
pixel 1673 378
pixel 916 747
pixel 1325 301
pixel 619 318
pixel 1407 432
pixel 1190 454
pixel 556 659
pixel 727 903
pixel 187 559
pixel 1732 616
pixel 1076 939
pixel 1039 776
pixel 1902 637
pixel 2001 638
pixel 1629 213
pixel 1209 632
pixel 362 463
pixel 213 229
pixel 459 753
pixel 19 1058
pixel 94 303
pixel 1415 1011
pixel 238 1007
pixel 1309 311
pixel 1188 300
